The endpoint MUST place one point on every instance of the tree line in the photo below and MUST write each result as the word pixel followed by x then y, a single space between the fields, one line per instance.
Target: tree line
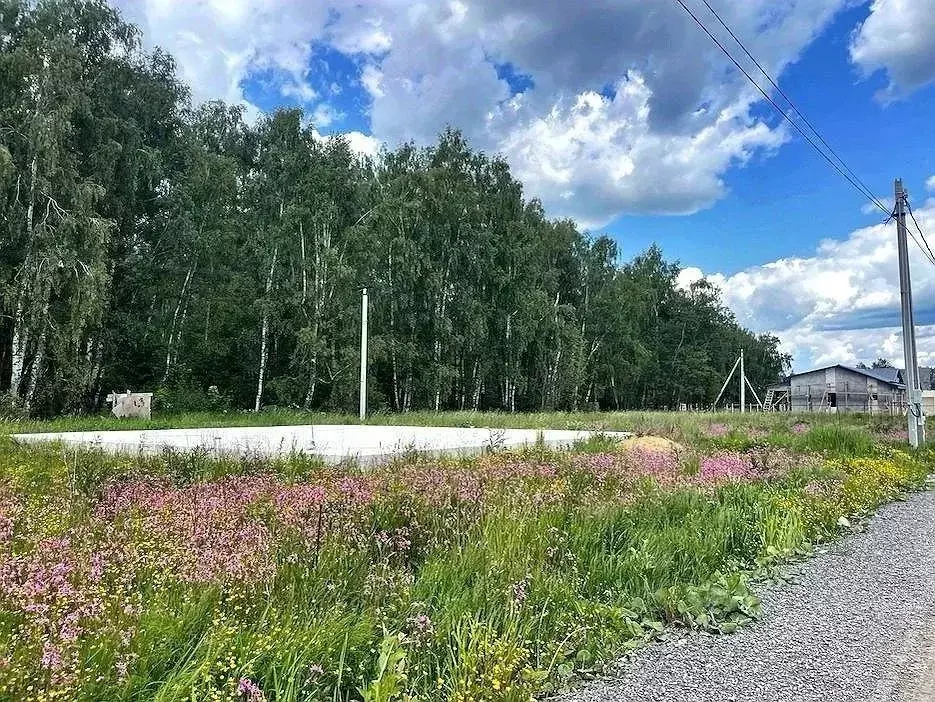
pixel 149 243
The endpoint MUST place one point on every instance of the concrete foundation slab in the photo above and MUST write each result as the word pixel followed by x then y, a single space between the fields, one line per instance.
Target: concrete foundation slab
pixel 332 443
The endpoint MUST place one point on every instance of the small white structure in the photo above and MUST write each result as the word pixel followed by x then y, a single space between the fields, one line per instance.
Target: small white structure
pixel 131 404
pixel 367 444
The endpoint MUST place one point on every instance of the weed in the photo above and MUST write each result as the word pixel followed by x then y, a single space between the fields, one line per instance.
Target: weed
pixel 497 577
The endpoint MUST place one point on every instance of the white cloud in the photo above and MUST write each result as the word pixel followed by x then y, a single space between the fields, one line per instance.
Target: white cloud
pixel 363 144
pixel 217 43
pixel 930 184
pixel 303 92
pixel 324 115
pixel 599 156
pixel 632 109
pixel 899 37
pixel 371 78
pixel 870 208
pixel 840 305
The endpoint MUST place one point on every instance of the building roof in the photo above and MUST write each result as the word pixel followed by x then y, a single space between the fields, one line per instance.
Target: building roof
pixel 887 375
pixel 890 376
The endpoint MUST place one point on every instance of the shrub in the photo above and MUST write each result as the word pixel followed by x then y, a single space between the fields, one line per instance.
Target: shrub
pixel 185 397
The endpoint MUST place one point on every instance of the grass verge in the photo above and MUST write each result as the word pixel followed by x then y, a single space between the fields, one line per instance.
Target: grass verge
pixel 178 577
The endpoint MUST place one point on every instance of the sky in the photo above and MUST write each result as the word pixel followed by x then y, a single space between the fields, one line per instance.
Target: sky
pixel 625 116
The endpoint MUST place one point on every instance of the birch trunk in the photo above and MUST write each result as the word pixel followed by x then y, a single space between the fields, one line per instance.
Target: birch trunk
pixel 313 367
pixel 37 365
pixel 407 393
pixel 20 329
pixel 507 380
pixel 304 266
pixel 394 361
pixel 550 390
pixel 18 350
pixel 476 385
pixel 264 333
pixel 39 358
pixel 175 321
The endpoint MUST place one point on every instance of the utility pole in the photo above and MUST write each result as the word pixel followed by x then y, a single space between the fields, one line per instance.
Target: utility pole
pixel 363 354
pixel 913 388
pixel 743 386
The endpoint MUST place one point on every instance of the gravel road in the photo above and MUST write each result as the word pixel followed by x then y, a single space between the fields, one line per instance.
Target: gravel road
pixel 855 624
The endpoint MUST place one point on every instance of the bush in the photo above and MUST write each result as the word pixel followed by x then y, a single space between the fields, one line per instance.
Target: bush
pixel 11 407
pixel 190 398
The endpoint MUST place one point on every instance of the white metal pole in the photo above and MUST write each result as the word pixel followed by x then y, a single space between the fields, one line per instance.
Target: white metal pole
pixel 726 383
pixel 913 389
pixel 743 386
pixel 755 396
pixel 363 354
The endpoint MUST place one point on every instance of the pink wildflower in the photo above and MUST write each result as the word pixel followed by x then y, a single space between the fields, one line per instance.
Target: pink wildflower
pixel 520 590
pixel 421 626
pixel 725 466
pixel 51 657
pixel 250 691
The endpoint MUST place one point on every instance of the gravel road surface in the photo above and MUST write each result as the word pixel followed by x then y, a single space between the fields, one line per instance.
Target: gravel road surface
pixel 855 624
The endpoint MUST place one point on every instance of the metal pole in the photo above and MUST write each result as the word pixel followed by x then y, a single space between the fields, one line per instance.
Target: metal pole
pixel 363 354
pixel 743 386
pixel 724 386
pixel 755 396
pixel 913 390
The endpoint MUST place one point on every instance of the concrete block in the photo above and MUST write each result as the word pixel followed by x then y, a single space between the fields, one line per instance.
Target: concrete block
pixel 131 404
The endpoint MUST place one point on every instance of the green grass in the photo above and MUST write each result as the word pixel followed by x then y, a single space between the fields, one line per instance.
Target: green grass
pixel 675 424
pixel 499 577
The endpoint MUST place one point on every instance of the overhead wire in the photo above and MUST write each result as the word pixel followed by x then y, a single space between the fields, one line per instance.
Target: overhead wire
pixel 931 254
pixel 864 189
pixel 843 169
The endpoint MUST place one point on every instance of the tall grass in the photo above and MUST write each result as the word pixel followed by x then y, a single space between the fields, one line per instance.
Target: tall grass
pixel 686 426
pixel 501 577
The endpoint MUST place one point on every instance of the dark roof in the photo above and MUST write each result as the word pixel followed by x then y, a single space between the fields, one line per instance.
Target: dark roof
pixel 890 376
pixel 887 375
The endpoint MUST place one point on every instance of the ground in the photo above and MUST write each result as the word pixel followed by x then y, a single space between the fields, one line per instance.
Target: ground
pixel 853 624
pixel 511 574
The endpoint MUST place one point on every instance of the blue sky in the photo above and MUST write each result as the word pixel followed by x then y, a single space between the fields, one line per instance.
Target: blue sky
pixel 783 204
pixel 624 116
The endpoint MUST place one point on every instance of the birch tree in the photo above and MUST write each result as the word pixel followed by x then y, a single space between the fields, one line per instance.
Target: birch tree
pixel 148 244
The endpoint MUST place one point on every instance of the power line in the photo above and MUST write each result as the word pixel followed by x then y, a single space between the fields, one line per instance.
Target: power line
pixel 844 170
pixel 921 233
pixel 864 188
pixel 855 183
pixel 925 254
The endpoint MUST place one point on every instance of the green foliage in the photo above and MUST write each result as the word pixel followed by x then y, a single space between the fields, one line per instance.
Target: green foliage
pixel 720 605
pixel 389 681
pixel 11 408
pixel 153 245
pixel 189 398
pixel 542 571
pixel 838 440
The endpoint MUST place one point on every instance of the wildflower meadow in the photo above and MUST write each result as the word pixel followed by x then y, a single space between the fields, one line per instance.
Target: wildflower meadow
pixel 505 576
